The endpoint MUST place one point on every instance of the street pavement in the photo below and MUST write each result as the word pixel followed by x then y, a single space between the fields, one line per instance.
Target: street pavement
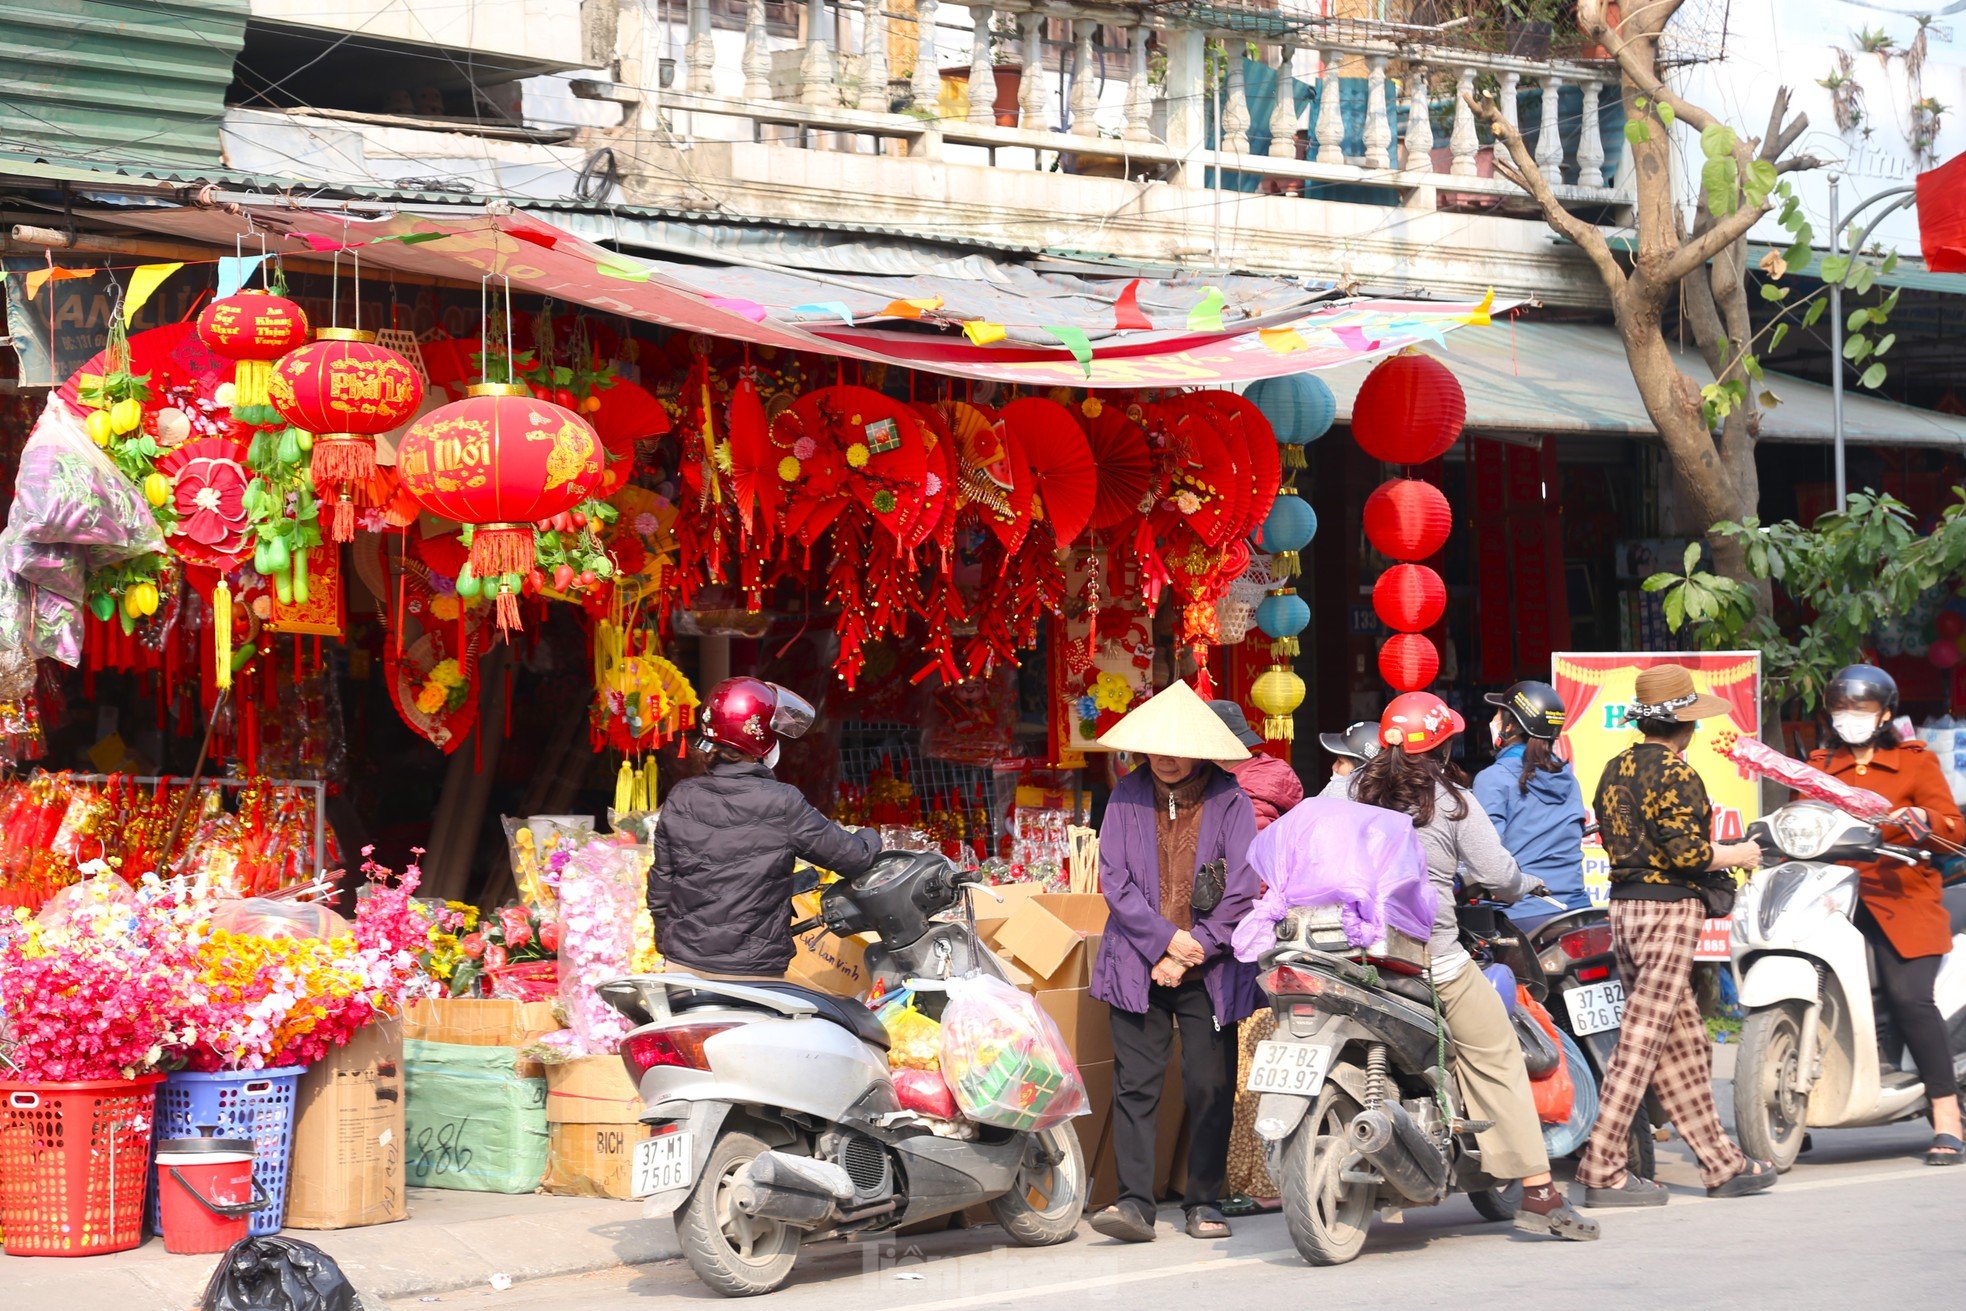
pixel 1860 1222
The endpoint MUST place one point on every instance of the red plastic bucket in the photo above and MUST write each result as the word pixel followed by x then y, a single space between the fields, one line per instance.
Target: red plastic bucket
pixel 205 1192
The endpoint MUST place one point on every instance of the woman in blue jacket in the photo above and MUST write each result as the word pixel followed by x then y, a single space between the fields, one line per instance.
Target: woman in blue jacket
pixel 1532 796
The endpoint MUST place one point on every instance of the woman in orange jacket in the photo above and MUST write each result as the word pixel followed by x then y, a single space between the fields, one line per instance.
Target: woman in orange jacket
pixel 1901 911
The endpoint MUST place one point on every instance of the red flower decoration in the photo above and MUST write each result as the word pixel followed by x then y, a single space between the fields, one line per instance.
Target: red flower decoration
pixel 211 504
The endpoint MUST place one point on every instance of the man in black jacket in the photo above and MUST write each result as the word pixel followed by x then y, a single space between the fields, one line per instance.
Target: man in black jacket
pixel 721 884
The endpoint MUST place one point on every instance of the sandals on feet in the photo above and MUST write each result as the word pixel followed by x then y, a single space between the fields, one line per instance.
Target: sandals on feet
pixel 1126 1221
pixel 1207 1222
pixel 1946 1149
pixel 1754 1176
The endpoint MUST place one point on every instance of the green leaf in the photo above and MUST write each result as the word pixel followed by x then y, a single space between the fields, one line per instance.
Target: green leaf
pixel 1814 312
pixel 1856 348
pixel 1692 556
pixel 1638 131
pixel 1717 140
pixel 1884 344
pixel 1873 377
pixel 1890 266
pixel 1751 365
pixel 1835 268
pixel 1720 179
pixel 1760 181
pixel 1769 400
pixel 1857 319
pixel 1775 337
pixel 1771 292
pixel 1797 256
pixel 1665 113
pixel 1863 278
pixel 1675 608
pixel 1659 582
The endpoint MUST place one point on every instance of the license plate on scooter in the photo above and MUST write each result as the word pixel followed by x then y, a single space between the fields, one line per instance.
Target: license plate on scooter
pixel 1596 1007
pixel 662 1163
pixel 1297 1068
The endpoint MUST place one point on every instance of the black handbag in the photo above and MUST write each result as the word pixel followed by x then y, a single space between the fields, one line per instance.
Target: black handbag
pixel 1719 899
pixel 1211 881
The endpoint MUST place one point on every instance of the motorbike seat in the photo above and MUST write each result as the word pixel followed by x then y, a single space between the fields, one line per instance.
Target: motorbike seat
pixel 847 1012
pixel 1413 987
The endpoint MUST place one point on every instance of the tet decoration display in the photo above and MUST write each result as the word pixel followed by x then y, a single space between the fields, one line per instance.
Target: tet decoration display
pixel 253 328
pixel 500 461
pixel 344 389
pixel 1282 615
pixel 1277 692
pixel 1409 410
pixel 1409 598
pixel 1287 530
pixel 1408 662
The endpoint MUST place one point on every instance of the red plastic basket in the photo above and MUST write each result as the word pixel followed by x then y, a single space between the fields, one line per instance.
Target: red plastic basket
pixel 74 1162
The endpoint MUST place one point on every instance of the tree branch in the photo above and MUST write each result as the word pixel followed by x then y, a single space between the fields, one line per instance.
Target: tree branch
pixel 1705 245
pixel 1521 169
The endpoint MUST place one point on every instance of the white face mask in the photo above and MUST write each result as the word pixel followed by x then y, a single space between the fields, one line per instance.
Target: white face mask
pixel 771 757
pixel 1495 731
pixel 1854 726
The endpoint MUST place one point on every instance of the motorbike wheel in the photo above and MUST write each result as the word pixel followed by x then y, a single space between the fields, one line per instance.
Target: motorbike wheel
pixel 1328 1218
pixel 735 1254
pixel 1769 1113
pixel 1043 1207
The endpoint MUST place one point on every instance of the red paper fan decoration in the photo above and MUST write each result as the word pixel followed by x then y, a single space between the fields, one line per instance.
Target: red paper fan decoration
pixel 449 362
pixel 208 491
pixel 992 474
pixel 1265 457
pixel 1066 479
pixel 391 501
pixel 1124 466
pixel 173 353
pixel 1409 410
pixel 1203 479
pixel 868 446
pixel 629 413
pixel 1407 519
pixel 937 519
pixel 1408 662
pixel 1409 598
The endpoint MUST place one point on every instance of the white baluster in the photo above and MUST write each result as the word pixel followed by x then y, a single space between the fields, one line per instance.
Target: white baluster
pixel 1462 141
pixel 1590 141
pixel 873 58
pixel 927 81
pixel 1549 140
pixel 1085 80
pixel 1235 101
pixel 816 86
pixel 982 68
pixel 1139 91
pixel 1283 108
pixel 1512 100
pixel 1330 117
pixel 701 50
pixel 1419 124
pixel 1378 127
pixel 1031 95
pixel 757 52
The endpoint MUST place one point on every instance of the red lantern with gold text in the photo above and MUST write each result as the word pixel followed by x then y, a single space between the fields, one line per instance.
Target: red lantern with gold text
pixel 253 328
pixel 344 389
pixel 501 460
pixel 1409 410
pixel 1408 662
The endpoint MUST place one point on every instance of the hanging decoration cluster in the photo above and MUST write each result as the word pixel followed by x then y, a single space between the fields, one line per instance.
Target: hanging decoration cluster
pixel 345 390
pixel 1300 409
pixel 1410 410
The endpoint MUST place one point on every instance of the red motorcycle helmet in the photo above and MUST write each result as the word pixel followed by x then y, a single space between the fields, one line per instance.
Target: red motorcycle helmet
pixel 1419 721
pixel 749 715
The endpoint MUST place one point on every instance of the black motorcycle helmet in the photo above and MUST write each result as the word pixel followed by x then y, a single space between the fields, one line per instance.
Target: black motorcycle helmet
pixel 1534 706
pixel 1359 742
pixel 1861 683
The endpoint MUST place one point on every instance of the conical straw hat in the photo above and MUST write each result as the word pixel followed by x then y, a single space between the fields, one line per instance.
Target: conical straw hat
pixel 1175 723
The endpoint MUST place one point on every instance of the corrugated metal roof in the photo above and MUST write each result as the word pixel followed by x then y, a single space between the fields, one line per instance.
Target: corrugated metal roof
pixel 117 80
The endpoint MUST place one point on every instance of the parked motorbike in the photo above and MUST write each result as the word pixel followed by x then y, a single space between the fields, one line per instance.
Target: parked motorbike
pixel 776 1121
pixel 1815 1053
pixel 1358 1097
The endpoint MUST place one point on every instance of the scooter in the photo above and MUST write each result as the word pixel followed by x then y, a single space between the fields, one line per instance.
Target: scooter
pixel 1358 1101
pixel 776 1121
pixel 1814 1054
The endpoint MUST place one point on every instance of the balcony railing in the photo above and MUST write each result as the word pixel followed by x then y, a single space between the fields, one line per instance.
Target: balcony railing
pixel 1181 111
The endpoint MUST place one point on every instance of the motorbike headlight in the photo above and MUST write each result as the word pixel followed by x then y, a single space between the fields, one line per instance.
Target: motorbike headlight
pixel 1805 830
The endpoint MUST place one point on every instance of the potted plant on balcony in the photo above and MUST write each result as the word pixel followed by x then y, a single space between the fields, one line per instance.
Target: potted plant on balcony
pixel 1529 27
pixel 1005 42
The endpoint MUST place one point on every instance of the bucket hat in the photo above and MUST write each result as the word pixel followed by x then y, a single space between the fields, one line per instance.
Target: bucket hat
pixel 1667 692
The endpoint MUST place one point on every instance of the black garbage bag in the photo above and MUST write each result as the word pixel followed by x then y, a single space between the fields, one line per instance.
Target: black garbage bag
pixel 278 1274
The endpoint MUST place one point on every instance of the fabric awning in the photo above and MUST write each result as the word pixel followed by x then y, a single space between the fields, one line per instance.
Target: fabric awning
pixel 1572 378
pixel 1019 325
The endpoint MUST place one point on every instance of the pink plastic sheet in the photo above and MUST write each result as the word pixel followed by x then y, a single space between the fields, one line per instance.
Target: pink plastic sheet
pixel 1332 852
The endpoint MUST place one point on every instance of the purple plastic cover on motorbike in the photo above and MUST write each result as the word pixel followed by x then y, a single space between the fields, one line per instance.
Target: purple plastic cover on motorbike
pixel 1331 852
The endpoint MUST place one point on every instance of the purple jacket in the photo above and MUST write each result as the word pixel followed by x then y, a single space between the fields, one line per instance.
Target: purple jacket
pixel 1129 872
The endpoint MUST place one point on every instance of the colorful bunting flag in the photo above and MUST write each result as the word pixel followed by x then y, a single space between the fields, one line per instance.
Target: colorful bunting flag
pixel 1207 316
pixel 1127 315
pixel 1284 341
pixel 144 282
pixel 1355 339
pixel 910 309
pixel 981 333
pixel 39 278
pixel 418 238
pixel 324 245
pixel 548 240
pixel 625 272
pixel 1076 342
pixel 750 309
pixel 1479 316
pixel 836 309
pixel 234 272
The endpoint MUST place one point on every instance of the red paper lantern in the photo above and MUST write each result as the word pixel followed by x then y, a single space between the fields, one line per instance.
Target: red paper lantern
pixel 1409 598
pixel 1408 662
pixel 501 460
pixel 1409 410
pixel 1407 519
pixel 344 389
pixel 254 328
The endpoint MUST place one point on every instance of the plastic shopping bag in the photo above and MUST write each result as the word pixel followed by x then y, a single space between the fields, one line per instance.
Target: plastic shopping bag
pixel 1005 1060
pixel 914 1040
pixel 1555 1092
pixel 278 1274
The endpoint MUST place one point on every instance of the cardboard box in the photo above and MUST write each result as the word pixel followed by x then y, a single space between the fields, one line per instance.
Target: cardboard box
pixel 591 1090
pixel 1097 1122
pixel 1084 1022
pixel 1017 978
pixel 992 907
pixel 349 1135
pixel 474 1123
pixel 593 1160
pixel 482 1022
pixel 820 960
pixel 1050 937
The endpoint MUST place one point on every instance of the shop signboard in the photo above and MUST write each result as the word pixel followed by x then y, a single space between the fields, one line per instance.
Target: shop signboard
pixel 1597 688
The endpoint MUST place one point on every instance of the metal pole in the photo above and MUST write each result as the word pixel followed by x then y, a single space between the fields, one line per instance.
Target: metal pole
pixel 1836 349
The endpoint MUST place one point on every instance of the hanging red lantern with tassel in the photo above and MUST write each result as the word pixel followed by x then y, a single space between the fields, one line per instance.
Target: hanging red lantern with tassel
pixel 344 389
pixel 1408 662
pixel 1409 598
pixel 501 460
pixel 1409 410
pixel 253 328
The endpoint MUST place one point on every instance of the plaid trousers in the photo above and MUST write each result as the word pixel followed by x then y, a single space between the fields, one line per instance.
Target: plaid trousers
pixel 1662 1043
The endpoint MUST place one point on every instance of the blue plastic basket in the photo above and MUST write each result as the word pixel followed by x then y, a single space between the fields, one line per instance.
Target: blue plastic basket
pixel 254 1104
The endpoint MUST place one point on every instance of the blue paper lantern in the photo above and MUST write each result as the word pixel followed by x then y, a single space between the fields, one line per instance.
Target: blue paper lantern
pixel 1300 408
pixel 1288 529
pixel 1282 615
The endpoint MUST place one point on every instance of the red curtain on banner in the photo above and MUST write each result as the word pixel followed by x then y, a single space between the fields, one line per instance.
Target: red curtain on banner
pixel 1522 612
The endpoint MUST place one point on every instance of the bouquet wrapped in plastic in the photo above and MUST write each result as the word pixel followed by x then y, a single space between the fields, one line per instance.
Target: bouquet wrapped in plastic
pixel 1760 760
pixel 599 883
pixel 1005 1060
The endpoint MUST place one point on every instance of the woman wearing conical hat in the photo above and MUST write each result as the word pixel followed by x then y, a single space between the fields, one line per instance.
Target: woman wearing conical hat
pixel 1173 868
